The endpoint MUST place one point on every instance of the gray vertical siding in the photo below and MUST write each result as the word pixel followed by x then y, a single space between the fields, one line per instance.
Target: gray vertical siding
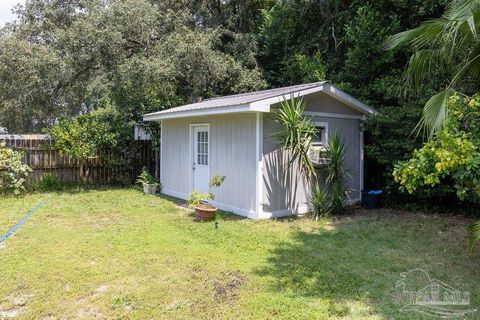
pixel 287 191
pixel 322 102
pixel 232 154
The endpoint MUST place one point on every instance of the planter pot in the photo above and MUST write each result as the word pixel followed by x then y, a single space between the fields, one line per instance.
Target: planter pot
pixel 150 188
pixel 205 212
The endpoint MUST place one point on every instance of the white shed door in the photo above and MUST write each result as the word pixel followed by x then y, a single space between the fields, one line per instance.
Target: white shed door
pixel 201 157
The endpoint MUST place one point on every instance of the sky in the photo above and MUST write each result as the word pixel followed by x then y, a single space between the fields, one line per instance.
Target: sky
pixel 6 7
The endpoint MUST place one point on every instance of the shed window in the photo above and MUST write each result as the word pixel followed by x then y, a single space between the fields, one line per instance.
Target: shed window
pixel 202 148
pixel 319 140
pixel 318 151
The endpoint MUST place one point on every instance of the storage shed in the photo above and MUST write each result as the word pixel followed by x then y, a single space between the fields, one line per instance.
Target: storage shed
pixel 232 136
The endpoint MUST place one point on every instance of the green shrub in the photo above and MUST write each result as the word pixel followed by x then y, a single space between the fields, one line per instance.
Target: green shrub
pixel 89 136
pixel 453 155
pixel 146 178
pixel 216 181
pixel 49 182
pixel 13 172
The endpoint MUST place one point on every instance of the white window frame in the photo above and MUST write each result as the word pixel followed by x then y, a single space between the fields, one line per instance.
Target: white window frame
pixel 322 124
pixel 322 146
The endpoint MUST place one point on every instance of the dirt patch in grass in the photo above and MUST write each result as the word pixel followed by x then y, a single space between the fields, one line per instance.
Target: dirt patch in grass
pixel 102 288
pixel 104 221
pixel 13 305
pixel 12 313
pixel 89 313
pixel 226 286
pixel 20 300
pixel 85 310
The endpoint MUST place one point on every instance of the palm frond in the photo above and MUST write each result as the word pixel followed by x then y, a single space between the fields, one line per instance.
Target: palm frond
pixel 469 68
pixel 455 28
pixel 472 26
pixel 423 64
pixel 425 34
pixel 462 10
pixel 463 17
pixel 434 113
pixel 474 232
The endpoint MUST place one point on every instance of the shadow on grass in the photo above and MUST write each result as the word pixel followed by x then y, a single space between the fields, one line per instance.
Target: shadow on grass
pixel 310 265
pixel 356 261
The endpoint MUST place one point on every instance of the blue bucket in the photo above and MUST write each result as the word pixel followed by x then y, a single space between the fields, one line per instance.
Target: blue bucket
pixel 371 199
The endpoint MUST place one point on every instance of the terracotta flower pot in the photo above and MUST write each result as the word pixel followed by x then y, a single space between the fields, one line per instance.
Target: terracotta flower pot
pixel 150 188
pixel 205 212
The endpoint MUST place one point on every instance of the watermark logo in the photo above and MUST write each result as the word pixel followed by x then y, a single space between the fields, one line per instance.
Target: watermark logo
pixel 432 297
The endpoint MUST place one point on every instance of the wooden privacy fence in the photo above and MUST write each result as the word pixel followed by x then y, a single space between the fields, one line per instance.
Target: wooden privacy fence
pixel 108 168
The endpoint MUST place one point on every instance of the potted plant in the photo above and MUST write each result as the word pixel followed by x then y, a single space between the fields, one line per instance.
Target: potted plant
pixel 150 183
pixel 199 200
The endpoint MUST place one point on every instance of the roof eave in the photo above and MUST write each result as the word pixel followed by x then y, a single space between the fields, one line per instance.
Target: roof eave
pixel 348 99
pixel 264 105
pixel 206 112
pixel 279 99
pixel 326 88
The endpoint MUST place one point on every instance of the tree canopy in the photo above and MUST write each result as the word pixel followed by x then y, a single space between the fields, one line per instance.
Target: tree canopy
pixel 66 58
pixel 63 58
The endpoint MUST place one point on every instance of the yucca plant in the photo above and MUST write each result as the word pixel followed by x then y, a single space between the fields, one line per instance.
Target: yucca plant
pixel 320 202
pixel 337 175
pixel 296 134
pixel 449 44
pixel 332 195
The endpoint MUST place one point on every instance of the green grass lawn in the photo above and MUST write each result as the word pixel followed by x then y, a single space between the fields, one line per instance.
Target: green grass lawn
pixel 120 254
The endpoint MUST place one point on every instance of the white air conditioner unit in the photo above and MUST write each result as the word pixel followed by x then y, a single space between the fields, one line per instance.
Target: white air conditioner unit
pixel 318 155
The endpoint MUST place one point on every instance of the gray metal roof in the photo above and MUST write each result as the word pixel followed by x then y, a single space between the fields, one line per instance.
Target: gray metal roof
pixel 241 99
pixel 259 101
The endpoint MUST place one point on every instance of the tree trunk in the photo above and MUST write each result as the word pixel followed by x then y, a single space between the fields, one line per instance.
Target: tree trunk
pixel 84 172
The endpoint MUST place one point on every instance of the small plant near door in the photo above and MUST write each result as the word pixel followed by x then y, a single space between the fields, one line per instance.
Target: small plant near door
pixel 199 200
pixel 150 183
